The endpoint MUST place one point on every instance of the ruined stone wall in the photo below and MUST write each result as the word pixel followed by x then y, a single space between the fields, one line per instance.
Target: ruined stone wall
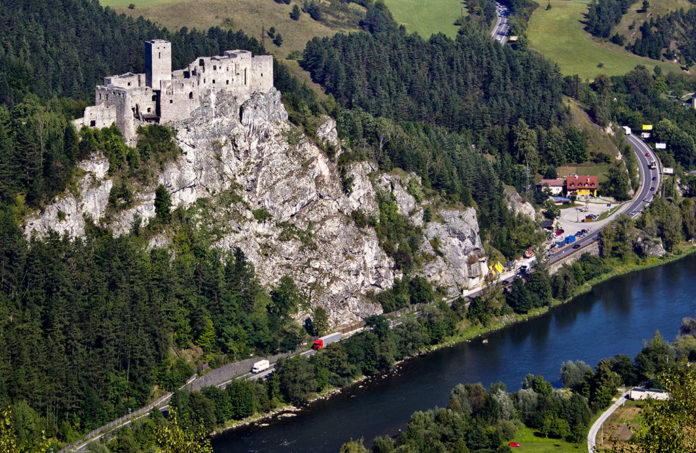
pixel 262 73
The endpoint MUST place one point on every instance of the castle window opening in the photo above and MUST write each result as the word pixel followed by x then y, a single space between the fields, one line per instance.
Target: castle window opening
pixel 128 83
pixel 171 101
pixel 228 82
pixel 159 54
pixel 213 80
pixel 201 62
pixel 214 67
pixel 148 110
pixel 154 98
pixel 92 123
pixel 190 94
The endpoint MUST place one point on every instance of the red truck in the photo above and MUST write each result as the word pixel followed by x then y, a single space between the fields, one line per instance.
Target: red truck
pixel 326 340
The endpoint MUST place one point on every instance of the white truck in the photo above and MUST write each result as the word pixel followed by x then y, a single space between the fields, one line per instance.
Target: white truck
pixel 627 130
pixel 260 366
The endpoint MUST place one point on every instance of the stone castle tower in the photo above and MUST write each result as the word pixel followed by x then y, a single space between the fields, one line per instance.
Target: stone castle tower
pixel 163 96
pixel 158 62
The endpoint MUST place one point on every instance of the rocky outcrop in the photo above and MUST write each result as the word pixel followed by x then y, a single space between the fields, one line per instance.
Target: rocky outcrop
pixel 253 181
pixel 458 260
pixel 649 246
pixel 517 204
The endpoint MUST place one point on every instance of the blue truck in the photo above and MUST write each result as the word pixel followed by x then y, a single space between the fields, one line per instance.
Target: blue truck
pixel 569 239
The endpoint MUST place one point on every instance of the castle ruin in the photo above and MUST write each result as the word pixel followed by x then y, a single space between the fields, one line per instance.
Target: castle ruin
pixel 164 96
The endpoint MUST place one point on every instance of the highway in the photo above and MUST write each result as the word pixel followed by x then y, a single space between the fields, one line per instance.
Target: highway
pixel 502 28
pixel 650 180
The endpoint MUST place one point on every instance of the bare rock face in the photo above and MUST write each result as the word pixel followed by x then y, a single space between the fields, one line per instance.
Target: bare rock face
pixel 254 181
pixel 457 259
pixel 649 247
pixel 405 202
pixel 518 205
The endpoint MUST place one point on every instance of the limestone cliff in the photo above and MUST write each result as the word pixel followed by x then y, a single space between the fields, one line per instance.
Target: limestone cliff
pixel 256 182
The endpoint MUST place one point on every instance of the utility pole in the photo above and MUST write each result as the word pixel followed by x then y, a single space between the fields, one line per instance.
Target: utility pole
pixel 263 35
pixel 527 176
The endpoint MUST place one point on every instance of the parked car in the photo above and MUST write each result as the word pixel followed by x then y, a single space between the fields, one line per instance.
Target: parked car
pixel 560 231
pixel 576 246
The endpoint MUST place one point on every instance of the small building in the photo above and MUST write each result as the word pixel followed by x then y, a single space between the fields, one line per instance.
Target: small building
pixel 555 186
pixel 641 393
pixel 547 224
pixel 582 185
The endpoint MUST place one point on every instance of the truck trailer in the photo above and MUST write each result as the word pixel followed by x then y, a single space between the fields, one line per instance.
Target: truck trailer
pixel 260 366
pixel 326 340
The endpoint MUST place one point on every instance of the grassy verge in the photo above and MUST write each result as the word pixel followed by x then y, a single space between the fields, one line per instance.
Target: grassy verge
pixel 426 18
pixel 530 442
pixel 586 169
pixel 599 141
pixel 558 34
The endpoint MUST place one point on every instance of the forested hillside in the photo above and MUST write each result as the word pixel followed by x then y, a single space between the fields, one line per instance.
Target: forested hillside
pixel 672 35
pixel 603 15
pixel 464 84
pixel 66 47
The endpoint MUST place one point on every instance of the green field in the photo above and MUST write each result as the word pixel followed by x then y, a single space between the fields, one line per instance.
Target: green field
pixel 427 17
pixel 531 443
pixel 558 34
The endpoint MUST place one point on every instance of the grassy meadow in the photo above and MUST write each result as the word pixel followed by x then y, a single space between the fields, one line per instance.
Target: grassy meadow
pixel 427 17
pixel 531 443
pixel 558 34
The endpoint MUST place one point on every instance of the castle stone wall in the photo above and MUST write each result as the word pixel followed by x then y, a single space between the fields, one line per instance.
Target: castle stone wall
pixel 162 96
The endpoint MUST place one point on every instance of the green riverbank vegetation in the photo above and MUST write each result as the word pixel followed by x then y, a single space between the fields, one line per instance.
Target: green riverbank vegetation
pixel 542 419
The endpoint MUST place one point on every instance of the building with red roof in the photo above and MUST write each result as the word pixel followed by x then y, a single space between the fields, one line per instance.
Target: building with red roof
pixel 582 185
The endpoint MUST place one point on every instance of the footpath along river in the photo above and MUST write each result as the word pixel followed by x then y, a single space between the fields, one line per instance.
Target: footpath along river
pixel 614 318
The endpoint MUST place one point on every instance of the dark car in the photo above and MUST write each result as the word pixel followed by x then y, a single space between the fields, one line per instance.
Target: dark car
pixel 576 246
pixel 654 178
pixel 652 189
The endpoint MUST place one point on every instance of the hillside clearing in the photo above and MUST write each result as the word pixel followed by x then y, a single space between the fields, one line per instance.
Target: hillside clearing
pixel 599 141
pixel 248 15
pixel 558 34
pixel 426 18
pixel 529 442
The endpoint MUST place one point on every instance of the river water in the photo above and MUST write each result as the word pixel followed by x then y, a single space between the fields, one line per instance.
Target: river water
pixel 614 318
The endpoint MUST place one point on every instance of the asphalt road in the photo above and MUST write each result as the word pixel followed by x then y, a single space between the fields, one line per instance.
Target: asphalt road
pixel 592 435
pixel 502 28
pixel 641 198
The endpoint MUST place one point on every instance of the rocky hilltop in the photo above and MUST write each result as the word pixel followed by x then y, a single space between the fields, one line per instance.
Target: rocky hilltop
pixel 256 182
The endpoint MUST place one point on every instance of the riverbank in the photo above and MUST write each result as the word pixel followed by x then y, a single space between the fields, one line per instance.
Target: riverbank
pixel 465 335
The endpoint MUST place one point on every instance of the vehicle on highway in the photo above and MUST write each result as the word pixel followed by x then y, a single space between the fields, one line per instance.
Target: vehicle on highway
pixel 576 246
pixel 654 178
pixel 570 239
pixel 646 200
pixel 652 189
pixel 647 154
pixel 261 365
pixel 326 340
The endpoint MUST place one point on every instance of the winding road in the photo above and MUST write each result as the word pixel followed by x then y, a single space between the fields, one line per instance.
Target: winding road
pixel 650 180
pixel 592 435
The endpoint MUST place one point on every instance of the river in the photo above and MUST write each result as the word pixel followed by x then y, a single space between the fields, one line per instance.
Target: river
pixel 614 318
